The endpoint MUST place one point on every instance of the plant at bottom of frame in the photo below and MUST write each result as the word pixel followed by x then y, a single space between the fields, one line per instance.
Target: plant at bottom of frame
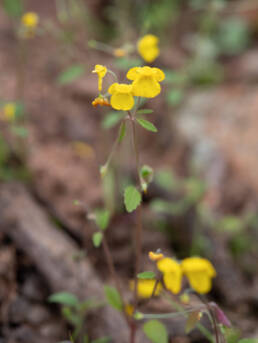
pixel 74 312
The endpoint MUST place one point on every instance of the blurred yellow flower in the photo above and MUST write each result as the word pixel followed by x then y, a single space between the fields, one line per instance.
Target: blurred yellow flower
pixel 146 81
pixel 129 309
pixel 155 256
pixel 119 52
pixel 172 274
pixel 148 48
pixel 121 96
pixel 101 71
pixel 30 20
pixel 145 287
pixel 9 110
pixel 199 271
pixel 83 150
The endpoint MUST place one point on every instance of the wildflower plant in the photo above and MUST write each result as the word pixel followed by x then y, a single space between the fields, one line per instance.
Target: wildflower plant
pixel 145 82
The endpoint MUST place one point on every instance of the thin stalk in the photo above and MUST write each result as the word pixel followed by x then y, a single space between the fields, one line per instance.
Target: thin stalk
pixel 111 265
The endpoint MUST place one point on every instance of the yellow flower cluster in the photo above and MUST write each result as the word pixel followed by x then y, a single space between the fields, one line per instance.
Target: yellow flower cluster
pixel 148 48
pixel 9 111
pixel 199 272
pixel 145 84
pixel 30 20
pixel 29 23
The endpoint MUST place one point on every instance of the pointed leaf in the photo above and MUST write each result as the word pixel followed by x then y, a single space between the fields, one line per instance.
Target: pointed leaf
pixel 147 125
pixel 70 74
pixel 111 119
pixel 144 111
pixel 97 239
pixel 122 132
pixel 146 275
pixel 64 298
pixel 113 297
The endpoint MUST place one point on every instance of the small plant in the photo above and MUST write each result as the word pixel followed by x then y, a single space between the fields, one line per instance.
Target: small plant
pixel 75 312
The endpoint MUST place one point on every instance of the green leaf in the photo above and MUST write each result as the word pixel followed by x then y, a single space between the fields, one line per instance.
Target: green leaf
pixel 248 340
pixel 20 131
pixel 13 8
pixel 102 218
pixel 64 298
pixel 113 297
pixel 175 97
pixel 97 239
pixel 101 340
pixel 147 125
pixel 122 132
pixel 166 179
pixel 111 119
pixel 132 198
pixel 146 275
pixel 144 111
pixel 155 331
pixel 70 74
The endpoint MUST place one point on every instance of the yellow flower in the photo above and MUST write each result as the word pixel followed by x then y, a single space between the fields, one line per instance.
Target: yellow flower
pixel 146 81
pixel 121 96
pixel 145 287
pixel 172 274
pixel 119 52
pixel 148 48
pixel 9 111
pixel 155 256
pixel 199 271
pixel 101 71
pixel 129 309
pixel 30 20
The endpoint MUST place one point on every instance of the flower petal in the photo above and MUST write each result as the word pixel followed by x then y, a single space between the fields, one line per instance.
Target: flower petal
pixel 146 87
pixel 159 74
pixel 121 101
pixel 112 88
pixel 145 288
pixel 200 281
pixel 133 73
pixel 173 281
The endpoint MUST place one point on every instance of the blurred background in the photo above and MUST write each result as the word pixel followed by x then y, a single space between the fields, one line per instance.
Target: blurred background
pixel 203 198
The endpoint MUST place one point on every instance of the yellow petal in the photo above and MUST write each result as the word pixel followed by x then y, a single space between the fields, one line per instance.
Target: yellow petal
pixel 155 256
pixel 159 74
pixel 133 73
pixel 192 264
pixel 100 70
pixel 30 19
pixel 200 282
pixel 167 265
pixel 146 87
pixel 172 274
pixel 173 281
pixel 145 288
pixel 120 101
pixel 150 54
pixel 148 48
pixel 199 271
pixel 112 88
